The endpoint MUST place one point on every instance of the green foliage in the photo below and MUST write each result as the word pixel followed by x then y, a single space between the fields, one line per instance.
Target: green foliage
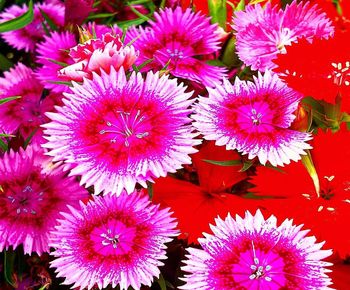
pixel 20 21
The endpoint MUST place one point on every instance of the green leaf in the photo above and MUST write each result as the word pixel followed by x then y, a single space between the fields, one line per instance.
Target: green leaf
pixel 19 22
pixel 26 141
pixel 5 100
pixel 101 15
pixel 150 189
pixel 345 117
pixel 240 6
pixel 215 62
pixel 5 63
pixel 218 12
pixel 161 282
pixel 146 62
pixel 224 163
pixel 48 20
pixel 6 135
pixel 63 64
pixel 3 146
pixel 9 261
pixel 137 13
pixel 246 166
pixel 310 167
pixel 61 83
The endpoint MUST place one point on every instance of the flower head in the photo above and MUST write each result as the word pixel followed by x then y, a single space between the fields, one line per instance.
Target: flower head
pixel 27 112
pixel 326 212
pixel 97 54
pixel 253 117
pixel 263 33
pixel 121 132
pixel 27 37
pixel 323 72
pixel 33 193
pixel 50 53
pixel 112 240
pixel 174 40
pixel 254 253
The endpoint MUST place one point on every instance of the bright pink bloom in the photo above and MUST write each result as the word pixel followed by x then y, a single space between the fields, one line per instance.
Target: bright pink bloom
pixel 177 39
pixel 121 132
pixel 97 54
pixel 27 37
pixel 33 193
pixel 263 33
pixel 112 240
pixel 27 112
pixel 254 253
pixel 53 55
pixel 253 117
pixel 52 51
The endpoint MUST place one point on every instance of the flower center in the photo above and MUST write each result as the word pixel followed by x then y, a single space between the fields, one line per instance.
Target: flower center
pixel 255 117
pixel 110 239
pixel 259 270
pixel 126 126
pixel 340 73
pixel 25 201
pixel 175 53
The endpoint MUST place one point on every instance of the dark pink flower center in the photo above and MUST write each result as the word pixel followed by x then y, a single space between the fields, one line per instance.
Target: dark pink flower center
pixel 25 200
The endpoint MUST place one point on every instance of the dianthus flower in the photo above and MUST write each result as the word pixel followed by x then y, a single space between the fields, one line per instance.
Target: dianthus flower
pixel 33 193
pixel 322 208
pixel 253 117
pixel 323 72
pixel 175 40
pixel 53 55
pixel 27 112
pixel 121 131
pixel 96 54
pixel 112 240
pixel 196 206
pixel 27 37
pixel 263 33
pixel 254 253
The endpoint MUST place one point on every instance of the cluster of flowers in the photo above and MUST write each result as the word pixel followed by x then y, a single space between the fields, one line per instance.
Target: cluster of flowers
pixel 116 140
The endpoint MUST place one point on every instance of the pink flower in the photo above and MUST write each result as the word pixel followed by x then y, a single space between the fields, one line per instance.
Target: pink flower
pixel 27 112
pixel 121 132
pixel 253 117
pixel 112 240
pixel 263 33
pixel 97 54
pixel 27 37
pixel 179 39
pixel 53 55
pixel 254 253
pixel 33 192
pixel 51 52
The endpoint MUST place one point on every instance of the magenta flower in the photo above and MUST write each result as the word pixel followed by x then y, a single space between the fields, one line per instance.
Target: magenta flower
pixel 33 193
pixel 53 55
pixel 51 52
pixel 262 33
pixel 121 132
pixel 96 54
pixel 26 113
pixel 27 37
pixel 112 240
pixel 177 39
pixel 254 253
pixel 253 117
